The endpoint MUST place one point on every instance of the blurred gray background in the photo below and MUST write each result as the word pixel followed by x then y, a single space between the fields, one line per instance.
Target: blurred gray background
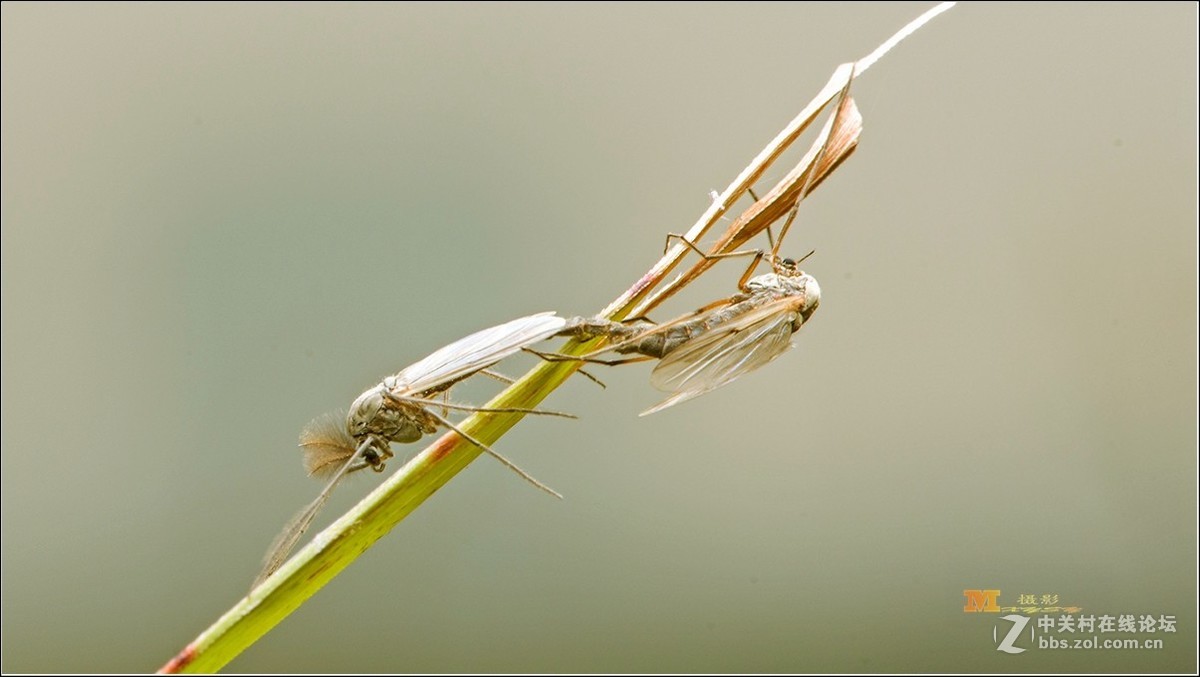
pixel 221 221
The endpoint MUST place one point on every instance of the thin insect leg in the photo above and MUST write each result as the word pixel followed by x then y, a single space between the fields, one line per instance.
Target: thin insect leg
pixel 839 112
pixel 509 464
pixel 757 253
pixel 770 238
pixel 283 544
pixel 504 379
pixel 744 280
pixel 786 225
pixel 363 465
pixel 486 410
pixel 498 376
pixel 563 357
pixel 592 378
pixel 585 372
pixel 705 255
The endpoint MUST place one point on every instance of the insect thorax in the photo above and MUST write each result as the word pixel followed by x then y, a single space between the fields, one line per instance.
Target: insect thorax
pixel 799 284
pixel 374 414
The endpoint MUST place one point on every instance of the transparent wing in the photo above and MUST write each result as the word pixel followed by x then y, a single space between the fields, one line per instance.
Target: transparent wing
pixel 713 359
pixel 287 539
pixel 477 351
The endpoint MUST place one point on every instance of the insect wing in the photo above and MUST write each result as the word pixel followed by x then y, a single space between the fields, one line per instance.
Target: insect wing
pixel 287 539
pixel 716 358
pixel 477 351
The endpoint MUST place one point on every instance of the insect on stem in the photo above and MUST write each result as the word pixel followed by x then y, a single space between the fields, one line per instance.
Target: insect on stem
pixel 402 409
pixel 718 343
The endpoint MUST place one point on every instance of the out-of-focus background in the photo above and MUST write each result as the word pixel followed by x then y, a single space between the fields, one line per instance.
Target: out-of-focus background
pixel 222 220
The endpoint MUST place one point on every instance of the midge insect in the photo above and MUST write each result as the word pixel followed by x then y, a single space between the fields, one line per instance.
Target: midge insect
pixel 402 409
pixel 718 343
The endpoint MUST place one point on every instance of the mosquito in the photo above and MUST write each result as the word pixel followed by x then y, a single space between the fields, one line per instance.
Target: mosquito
pixel 403 408
pixel 716 344
pixel 720 342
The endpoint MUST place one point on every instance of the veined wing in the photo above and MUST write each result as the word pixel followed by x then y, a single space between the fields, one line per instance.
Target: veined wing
pixel 477 351
pixel 721 355
pixel 287 539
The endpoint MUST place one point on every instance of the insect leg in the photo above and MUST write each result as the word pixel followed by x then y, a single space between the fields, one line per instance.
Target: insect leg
pixel 487 410
pixel 562 357
pixel 498 376
pixel 758 255
pixel 705 255
pixel 509 464
pixel 844 103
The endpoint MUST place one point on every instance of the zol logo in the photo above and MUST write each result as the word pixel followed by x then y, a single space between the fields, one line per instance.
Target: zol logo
pixel 1008 644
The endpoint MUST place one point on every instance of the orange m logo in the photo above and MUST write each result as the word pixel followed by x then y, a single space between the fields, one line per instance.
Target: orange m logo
pixel 981 600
